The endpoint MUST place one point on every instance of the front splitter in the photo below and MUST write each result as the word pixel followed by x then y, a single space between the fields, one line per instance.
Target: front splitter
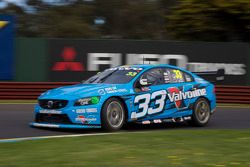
pixel 66 126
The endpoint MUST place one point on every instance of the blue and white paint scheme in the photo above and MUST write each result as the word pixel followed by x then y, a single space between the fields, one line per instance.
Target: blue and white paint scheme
pixel 148 93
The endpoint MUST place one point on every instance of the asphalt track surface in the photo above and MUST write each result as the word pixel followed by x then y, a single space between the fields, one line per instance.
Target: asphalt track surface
pixel 15 119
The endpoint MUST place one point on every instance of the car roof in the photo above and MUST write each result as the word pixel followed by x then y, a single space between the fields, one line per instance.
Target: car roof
pixel 146 66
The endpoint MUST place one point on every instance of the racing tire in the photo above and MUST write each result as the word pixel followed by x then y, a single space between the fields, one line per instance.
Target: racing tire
pixel 201 113
pixel 113 115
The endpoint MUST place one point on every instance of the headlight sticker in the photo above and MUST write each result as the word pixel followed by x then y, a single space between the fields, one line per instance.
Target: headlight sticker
pixel 87 101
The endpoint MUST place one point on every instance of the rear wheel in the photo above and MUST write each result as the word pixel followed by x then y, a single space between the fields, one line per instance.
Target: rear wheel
pixel 201 113
pixel 113 115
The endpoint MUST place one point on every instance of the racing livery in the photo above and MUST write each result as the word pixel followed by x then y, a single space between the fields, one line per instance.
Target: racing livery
pixel 138 93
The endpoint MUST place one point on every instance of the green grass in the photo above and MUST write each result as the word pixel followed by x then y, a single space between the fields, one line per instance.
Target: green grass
pixel 171 148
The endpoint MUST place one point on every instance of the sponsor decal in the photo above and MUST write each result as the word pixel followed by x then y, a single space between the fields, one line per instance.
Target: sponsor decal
pixel 50 112
pixel 122 68
pixel 86 110
pixel 166 77
pixel 133 116
pixel 114 90
pixel 167 120
pixel 173 120
pixel 101 92
pixel 187 118
pixel 157 121
pixel 91 110
pixel 85 120
pixel 146 122
pixel 79 111
pixel 158 98
pixel 176 95
pixel 145 89
pixel 85 101
pixel 131 74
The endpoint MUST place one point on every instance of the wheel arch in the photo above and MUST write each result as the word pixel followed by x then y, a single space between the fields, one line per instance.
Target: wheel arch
pixel 122 101
pixel 204 97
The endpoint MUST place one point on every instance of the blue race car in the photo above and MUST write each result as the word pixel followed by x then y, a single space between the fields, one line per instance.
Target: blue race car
pixel 142 94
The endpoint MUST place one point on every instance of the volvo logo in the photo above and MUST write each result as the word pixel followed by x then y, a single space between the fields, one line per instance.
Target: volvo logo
pixel 50 104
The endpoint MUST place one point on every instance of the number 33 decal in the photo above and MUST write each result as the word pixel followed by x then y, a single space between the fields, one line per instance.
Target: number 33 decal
pixel 144 106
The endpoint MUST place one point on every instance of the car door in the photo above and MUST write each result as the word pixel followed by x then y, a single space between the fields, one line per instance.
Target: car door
pixel 149 99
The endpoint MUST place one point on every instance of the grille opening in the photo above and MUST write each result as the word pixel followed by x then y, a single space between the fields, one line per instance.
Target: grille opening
pixel 53 118
pixel 52 104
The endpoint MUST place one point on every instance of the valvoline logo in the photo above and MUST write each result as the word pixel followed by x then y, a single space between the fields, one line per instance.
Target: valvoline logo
pixel 178 96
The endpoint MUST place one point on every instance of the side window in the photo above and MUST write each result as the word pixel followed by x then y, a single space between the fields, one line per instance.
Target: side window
pixel 167 75
pixel 152 77
pixel 188 77
pixel 177 76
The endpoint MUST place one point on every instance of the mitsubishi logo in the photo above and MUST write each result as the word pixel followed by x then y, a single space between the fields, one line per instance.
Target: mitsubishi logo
pixel 68 63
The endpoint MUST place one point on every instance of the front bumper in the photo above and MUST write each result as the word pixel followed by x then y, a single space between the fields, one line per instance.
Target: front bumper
pixel 68 117
pixel 64 126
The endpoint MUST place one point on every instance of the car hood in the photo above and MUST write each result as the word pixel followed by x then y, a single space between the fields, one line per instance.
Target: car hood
pixel 83 90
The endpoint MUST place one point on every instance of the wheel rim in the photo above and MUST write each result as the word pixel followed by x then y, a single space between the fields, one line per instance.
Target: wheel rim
pixel 115 114
pixel 202 111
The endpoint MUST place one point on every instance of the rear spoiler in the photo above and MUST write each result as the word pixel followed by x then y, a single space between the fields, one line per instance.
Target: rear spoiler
pixel 212 76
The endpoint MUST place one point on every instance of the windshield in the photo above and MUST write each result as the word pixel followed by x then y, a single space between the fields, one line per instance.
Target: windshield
pixel 117 75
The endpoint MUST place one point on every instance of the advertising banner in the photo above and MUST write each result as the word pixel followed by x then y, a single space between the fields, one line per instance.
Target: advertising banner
pixel 75 60
pixel 6 47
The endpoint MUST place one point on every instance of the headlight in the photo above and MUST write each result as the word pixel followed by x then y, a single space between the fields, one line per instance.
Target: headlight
pixel 87 101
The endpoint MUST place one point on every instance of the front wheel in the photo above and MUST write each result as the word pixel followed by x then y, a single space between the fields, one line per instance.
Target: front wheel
pixel 113 115
pixel 201 113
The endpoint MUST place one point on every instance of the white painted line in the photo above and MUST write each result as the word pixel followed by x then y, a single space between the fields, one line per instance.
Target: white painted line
pixel 61 136
pixel 49 137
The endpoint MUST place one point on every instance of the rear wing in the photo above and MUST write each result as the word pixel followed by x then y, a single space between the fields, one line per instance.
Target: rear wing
pixel 212 76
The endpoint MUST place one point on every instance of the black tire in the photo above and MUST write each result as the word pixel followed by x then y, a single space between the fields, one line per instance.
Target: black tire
pixel 113 115
pixel 201 113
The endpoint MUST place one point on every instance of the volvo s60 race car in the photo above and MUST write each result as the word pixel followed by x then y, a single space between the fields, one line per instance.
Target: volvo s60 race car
pixel 142 94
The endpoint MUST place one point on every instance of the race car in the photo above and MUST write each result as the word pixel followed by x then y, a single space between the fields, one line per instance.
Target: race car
pixel 141 94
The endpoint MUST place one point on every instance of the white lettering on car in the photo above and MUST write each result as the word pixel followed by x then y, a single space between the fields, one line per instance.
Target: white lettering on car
pixel 159 97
